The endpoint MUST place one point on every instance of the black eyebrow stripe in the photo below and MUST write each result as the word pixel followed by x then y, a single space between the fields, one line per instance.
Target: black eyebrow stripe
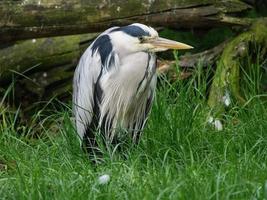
pixel 132 30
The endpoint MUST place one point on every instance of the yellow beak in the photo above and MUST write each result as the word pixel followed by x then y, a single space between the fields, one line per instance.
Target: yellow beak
pixel 163 44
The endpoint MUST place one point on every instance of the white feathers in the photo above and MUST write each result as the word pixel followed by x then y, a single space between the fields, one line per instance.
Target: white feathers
pixel 113 65
pixel 83 90
pixel 104 179
pixel 85 78
pixel 121 103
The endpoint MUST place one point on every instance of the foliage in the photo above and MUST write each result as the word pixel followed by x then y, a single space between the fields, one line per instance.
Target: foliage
pixel 179 156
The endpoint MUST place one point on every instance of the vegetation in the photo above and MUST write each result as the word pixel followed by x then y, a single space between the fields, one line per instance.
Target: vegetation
pixel 183 154
pixel 180 156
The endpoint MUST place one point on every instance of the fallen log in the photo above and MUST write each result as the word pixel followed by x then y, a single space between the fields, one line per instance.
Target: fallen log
pixel 32 19
pixel 41 55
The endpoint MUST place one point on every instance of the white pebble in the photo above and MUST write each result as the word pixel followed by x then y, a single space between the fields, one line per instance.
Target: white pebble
pixel 104 179
pixel 218 125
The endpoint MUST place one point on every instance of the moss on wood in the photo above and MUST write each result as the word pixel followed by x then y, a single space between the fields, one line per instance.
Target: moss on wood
pixel 226 81
pixel 43 53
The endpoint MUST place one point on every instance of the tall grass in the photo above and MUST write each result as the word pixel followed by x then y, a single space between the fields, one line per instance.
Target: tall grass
pixel 179 156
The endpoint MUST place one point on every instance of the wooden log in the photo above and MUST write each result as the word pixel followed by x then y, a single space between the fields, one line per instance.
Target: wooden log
pixel 41 55
pixel 24 19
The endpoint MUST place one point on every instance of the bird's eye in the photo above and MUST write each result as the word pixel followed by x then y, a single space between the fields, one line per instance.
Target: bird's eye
pixel 141 39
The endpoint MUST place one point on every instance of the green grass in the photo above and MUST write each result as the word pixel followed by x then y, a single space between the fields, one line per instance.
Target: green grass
pixel 179 156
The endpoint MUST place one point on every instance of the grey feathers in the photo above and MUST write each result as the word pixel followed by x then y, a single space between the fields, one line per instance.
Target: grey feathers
pixel 114 85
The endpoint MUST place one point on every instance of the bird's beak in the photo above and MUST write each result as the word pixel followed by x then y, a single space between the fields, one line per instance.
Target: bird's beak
pixel 162 44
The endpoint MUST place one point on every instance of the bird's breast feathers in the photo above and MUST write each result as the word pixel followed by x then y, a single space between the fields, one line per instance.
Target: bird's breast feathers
pixel 126 89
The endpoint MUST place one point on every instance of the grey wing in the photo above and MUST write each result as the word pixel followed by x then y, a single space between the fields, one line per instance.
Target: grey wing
pixel 84 87
pixel 84 81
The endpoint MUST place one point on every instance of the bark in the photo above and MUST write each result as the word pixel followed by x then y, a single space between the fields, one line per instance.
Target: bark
pixel 41 55
pixel 32 19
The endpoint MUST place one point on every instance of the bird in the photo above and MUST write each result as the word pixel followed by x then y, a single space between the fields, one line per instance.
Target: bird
pixel 114 83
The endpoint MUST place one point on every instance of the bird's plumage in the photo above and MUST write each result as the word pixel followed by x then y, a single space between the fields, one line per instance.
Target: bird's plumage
pixel 113 89
pixel 115 81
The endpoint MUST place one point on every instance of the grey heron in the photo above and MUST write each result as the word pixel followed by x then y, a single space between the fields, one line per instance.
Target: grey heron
pixel 115 80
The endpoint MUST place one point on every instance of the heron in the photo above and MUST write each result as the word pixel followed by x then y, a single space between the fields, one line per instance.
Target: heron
pixel 115 80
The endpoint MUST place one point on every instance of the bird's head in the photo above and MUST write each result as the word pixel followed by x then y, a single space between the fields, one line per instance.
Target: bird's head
pixel 139 37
